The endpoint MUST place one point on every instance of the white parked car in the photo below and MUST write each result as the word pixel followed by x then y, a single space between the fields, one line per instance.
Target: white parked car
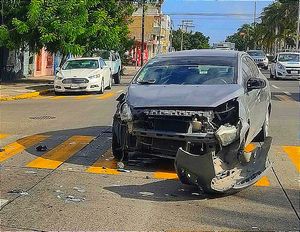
pixel 286 65
pixel 83 75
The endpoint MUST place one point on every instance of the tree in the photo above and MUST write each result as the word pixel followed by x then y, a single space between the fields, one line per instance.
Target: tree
pixel 190 40
pixel 72 26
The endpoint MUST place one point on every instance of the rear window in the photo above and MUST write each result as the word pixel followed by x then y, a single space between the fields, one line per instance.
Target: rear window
pixel 189 71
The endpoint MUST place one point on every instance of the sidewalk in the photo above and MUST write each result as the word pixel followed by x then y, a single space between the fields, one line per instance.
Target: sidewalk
pixel 26 88
pixel 36 86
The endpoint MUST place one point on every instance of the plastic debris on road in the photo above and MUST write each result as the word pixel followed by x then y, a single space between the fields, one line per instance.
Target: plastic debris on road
pixel 78 189
pixel 18 191
pixel 41 148
pixel 148 194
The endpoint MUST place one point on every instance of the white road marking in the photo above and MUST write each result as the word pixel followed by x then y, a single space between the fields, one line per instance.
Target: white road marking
pixel 3 202
pixel 120 91
pixel 276 87
pixel 287 93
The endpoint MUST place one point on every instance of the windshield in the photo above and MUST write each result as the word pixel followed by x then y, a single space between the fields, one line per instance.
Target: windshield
pixel 289 57
pixel 81 64
pixel 189 71
pixel 256 53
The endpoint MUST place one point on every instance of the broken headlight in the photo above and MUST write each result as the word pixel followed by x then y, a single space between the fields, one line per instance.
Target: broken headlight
pixel 226 134
pixel 125 113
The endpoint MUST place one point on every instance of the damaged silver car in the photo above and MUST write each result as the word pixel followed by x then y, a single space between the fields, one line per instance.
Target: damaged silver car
pixel 201 108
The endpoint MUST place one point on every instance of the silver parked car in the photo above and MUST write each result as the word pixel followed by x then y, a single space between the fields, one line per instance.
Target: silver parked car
pixel 201 108
pixel 260 58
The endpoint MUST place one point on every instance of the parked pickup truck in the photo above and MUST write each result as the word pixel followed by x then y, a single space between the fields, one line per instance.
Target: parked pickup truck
pixel 113 60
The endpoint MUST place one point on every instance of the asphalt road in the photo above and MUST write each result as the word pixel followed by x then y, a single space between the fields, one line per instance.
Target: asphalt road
pixel 74 184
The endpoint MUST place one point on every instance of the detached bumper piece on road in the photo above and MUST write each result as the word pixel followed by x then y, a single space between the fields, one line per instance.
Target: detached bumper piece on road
pixel 211 174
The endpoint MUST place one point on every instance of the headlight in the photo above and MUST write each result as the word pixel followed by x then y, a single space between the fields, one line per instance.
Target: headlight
pixel 280 66
pixel 94 76
pixel 266 59
pixel 59 77
pixel 226 134
pixel 125 113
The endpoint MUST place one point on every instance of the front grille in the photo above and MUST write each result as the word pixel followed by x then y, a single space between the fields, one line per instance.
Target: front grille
pixel 290 71
pixel 75 81
pixel 259 60
pixel 163 124
pixel 78 88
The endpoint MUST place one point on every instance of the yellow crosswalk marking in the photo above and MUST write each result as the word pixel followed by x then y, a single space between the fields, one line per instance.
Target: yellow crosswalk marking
pixel 16 147
pixel 293 153
pixel 3 136
pixel 104 165
pixel 263 182
pixel 165 175
pixel 61 153
pixel 106 96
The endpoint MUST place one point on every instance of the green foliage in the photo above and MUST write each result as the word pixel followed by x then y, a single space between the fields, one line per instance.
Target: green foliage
pixel 190 40
pixel 67 26
pixel 278 25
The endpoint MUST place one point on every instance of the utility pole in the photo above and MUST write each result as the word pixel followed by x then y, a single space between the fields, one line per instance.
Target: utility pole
pixel 143 32
pixel 298 27
pixel 184 28
pixel 254 24
pixel 159 36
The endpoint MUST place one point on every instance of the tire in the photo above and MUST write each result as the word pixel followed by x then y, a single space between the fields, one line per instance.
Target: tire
pixel 264 132
pixel 101 91
pixel 271 76
pixel 58 93
pixel 110 83
pixel 117 148
pixel 117 77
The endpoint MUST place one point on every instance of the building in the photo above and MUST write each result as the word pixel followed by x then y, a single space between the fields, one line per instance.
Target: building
pixel 43 64
pixel 157 29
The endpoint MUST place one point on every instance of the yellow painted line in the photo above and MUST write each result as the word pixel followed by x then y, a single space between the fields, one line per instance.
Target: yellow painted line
pixel 106 96
pixel 263 182
pixel 250 147
pixel 104 165
pixel 284 98
pixel 25 95
pixel 3 136
pixel 58 97
pixel 293 153
pixel 61 153
pixel 165 175
pixel 16 147
pixel 84 97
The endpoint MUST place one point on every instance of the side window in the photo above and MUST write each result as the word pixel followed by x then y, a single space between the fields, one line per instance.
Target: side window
pixel 253 67
pixel 246 70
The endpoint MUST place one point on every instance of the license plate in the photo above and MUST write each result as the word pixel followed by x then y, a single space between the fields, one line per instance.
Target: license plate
pixel 74 86
pixel 294 72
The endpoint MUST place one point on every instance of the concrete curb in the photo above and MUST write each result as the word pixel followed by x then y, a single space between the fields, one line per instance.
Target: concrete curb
pixel 26 95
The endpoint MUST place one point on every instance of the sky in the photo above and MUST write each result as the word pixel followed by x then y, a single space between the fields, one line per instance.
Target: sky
pixel 216 27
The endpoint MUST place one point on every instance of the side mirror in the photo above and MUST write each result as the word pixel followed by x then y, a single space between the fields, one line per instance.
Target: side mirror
pixel 121 97
pixel 57 69
pixel 255 83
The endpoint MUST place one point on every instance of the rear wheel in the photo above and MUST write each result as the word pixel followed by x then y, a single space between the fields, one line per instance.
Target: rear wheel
pixel 117 77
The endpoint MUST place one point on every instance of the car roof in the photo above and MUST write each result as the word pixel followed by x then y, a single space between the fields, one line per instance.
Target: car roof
pixel 201 52
pixel 86 58
pixel 288 53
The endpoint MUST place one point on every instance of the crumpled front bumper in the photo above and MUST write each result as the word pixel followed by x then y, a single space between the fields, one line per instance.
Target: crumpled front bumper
pixel 210 173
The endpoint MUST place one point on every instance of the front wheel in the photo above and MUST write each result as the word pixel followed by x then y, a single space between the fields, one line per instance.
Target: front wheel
pixel 101 91
pixel 264 130
pixel 110 83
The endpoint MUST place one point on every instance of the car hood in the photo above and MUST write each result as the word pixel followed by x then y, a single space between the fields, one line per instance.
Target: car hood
pixel 78 73
pixel 290 64
pixel 181 95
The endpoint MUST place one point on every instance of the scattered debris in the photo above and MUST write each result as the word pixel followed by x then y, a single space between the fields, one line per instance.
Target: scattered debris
pixel 181 190
pixel 18 191
pixel 196 194
pixel 2 149
pixel 254 227
pixel 146 193
pixel 41 148
pixel 120 165
pixel 3 202
pixel 81 190
pixel 31 172
pixel 59 191
pixel 71 198
pixel 123 170
pixel 147 177
pixel 59 196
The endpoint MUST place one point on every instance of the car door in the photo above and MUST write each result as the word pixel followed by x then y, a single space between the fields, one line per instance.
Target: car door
pixel 251 97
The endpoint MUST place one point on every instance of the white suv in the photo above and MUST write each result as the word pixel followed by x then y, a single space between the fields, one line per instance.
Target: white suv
pixel 286 65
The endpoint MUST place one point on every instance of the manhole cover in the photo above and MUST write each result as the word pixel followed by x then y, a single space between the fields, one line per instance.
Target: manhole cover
pixel 44 117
